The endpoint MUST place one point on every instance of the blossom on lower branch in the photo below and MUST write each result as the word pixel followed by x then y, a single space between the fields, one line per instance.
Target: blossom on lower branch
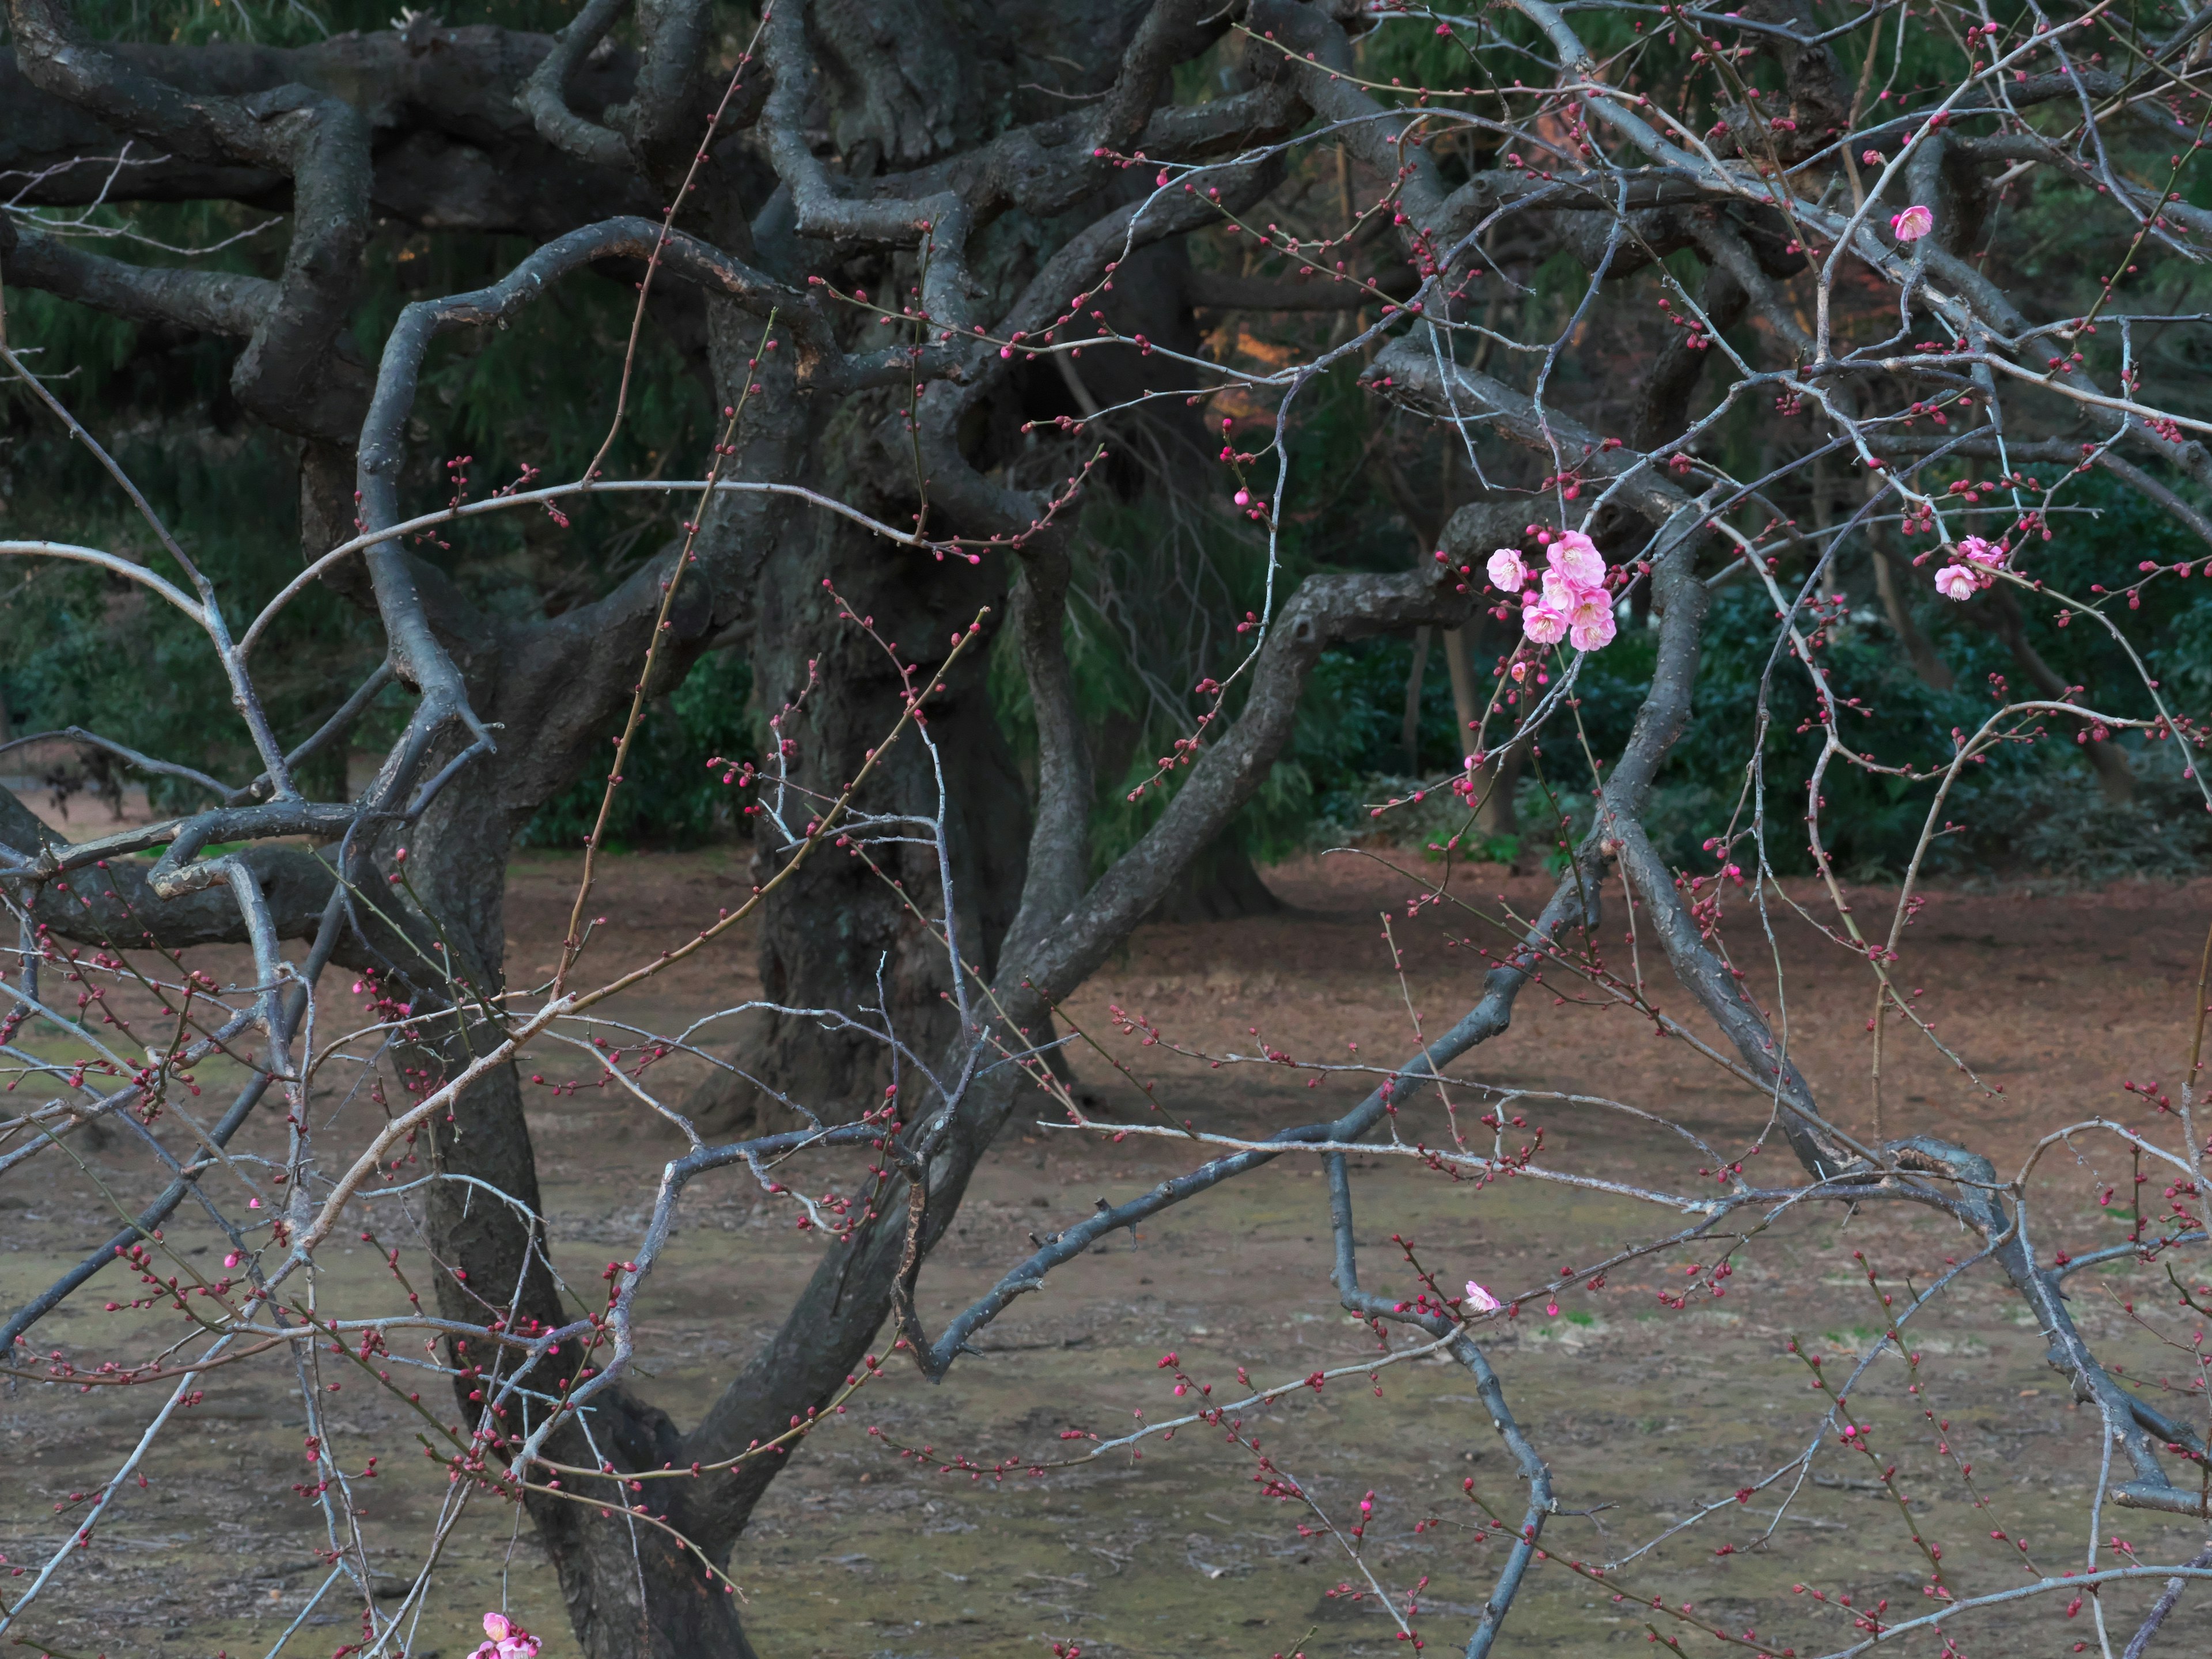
pixel 1974 560
pixel 506 1640
pixel 1915 222
pixel 1569 601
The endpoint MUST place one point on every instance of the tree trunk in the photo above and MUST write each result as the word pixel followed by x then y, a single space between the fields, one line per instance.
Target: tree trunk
pixel 1219 884
pixel 1413 700
pixel 834 694
pixel 631 1592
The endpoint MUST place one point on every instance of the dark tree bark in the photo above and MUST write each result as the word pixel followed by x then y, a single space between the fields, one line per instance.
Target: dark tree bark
pixel 875 948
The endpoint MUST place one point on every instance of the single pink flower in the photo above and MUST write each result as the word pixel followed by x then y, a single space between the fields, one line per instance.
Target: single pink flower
pixel 496 1627
pixel 1576 557
pixel 1871 158
pixel 1591 627
pixel 1481 1300
pixel 231 1261
pixel 1507 570
pixel 1981 552
pixel 1543 622
pixel 1956 581
pixel 1915 222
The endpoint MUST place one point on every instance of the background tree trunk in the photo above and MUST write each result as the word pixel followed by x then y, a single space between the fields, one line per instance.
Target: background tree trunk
pixel 839 934
pixel 1919 650
pixel 1413 738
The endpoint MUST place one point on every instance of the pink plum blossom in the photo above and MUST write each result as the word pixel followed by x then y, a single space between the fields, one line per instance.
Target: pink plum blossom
pixel 506 1640
pixel 1589 622
pixel 1480 1300
pixel 1977 551
pixel 1956 581
pixel 1544 622
pixel 1572 602
pixel 1576 557
pixel 1915 222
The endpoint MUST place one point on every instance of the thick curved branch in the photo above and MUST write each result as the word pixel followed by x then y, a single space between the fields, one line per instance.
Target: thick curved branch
pixel 1060 842
pixel 210 302
pixel 117 904
pixel 453 151
pixel 667 117
pixel 418 655
pixel 321 142
pixel 1720 992
pixel 544 95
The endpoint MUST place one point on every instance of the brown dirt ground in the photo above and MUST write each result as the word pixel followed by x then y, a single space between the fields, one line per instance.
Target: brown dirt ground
pixel 2058 997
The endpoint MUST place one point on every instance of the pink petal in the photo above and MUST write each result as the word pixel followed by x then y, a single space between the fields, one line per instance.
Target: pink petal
pixel 1593 634
pixel 496 1627
pixel 1575 556
pixel 1955 581
pixel 1546 624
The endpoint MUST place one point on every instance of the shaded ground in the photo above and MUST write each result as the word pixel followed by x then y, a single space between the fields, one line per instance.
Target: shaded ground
pixel 1654 1412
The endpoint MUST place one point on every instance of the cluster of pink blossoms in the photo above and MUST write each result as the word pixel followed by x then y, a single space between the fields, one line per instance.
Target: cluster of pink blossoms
pixel 1967 578
pixel 506 1640
pixel 1568 601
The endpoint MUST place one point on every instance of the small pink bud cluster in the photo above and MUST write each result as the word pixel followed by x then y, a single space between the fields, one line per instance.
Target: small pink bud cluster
pixel 1569 600
pixel 505 1639
pixel 1976 559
